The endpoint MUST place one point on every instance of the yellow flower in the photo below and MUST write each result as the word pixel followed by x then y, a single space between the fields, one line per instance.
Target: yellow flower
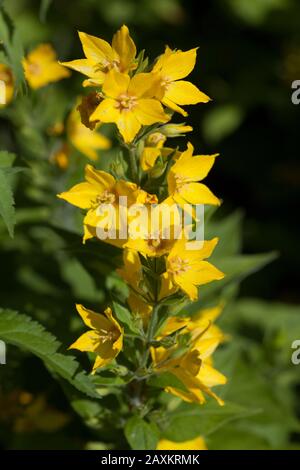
pixel 6 76
pixel 156 237
pixel 152 150
pixel 192 368
pixel 186 267
pixel 203 318
pixel 172 66
pixel 87 141
pixel 105 337
pixel 100 188
pixel 193 444
pixel 61 156
pixel 129 103
pixel 101 57
pixel 41 67
pixel 184 175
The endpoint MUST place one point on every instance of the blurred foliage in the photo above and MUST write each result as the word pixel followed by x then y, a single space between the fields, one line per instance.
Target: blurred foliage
pixel 248 57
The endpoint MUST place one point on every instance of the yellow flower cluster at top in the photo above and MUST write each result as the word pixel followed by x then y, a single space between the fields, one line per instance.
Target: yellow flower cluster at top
pixel 130 98
pixel 140 100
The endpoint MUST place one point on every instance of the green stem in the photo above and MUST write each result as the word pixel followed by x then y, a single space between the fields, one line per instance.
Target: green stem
pixel 133 165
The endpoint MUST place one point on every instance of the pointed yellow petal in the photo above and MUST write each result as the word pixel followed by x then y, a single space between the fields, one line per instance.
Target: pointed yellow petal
pixel 102 179
pixel 128 125
pixel 198 193
pixel 144 85
pixel 115 84
pixel 183 92
pixel 185 284
pixel 106 111
pixel 89 341
pixel 93 320
pixel 81 195
pixel 149 111
pixel 123 44
pixel 83 66
pixel 170 104
pixel 109 315
pixel 193 168
pixel 179 64
pixel 95 49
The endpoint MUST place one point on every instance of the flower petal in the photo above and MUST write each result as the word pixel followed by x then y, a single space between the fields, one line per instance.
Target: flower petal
pixel 123 44
pixel 81 195
pixel 102 179
pixel 128 125
pixel 170 104
pixel 83 66
pixel 95 49
pixel 210 376
pixel 183 92
pixel 106 111
pixel 197 193
pixel 115 83
pixel 89 142
pixel 93 320
pixel 179 64
pixel 149 111
pixel 89 341
pixel 144 85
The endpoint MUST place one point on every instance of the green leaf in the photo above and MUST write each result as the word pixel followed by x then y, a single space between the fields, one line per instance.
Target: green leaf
pixel 229 231
pixel 6 159
pixel 236 268
pixel 125 317
pixel 12 45
pixel 7 209
pixel 140 434
pixel 82 284
pixel 21 331
pixel 189 421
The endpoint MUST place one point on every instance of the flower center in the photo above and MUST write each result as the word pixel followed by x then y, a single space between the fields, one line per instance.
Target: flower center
pixel 165 83
pixel 34 69
pixel 111 335
pixel 106 65
pixel 105 198
pixel 177 265
pixel 126 102
pixel 180 182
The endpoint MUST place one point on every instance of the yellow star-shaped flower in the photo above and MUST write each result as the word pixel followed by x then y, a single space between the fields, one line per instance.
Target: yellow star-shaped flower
pixel 105 337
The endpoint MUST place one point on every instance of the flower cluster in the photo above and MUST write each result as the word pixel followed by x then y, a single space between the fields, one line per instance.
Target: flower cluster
pixel 161 269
